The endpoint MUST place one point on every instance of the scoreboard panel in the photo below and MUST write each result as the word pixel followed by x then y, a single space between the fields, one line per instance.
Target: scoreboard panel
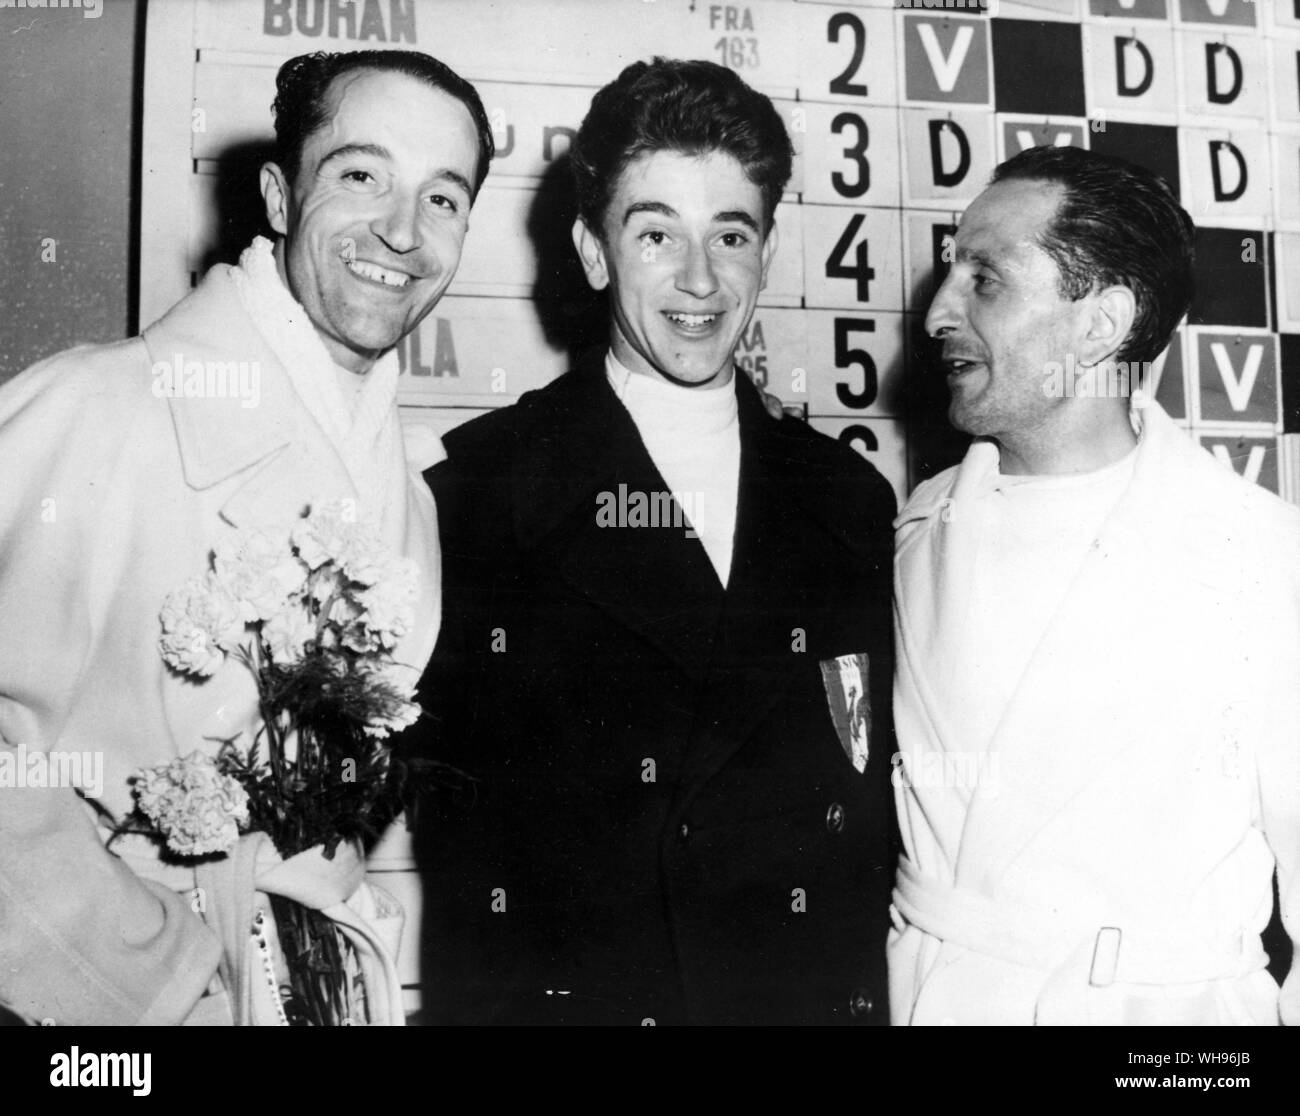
pixel 898 110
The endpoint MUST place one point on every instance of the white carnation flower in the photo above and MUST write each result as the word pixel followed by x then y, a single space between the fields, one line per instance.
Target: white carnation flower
pixel 259 570
pixel 367 560
pixel 201 622
pixel 403 711
pixel 197 809
pixel 334 532
pixel 287 632
pixel 388 604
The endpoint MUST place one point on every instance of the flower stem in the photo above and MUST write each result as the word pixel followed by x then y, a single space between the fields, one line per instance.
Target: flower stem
pixel 316 955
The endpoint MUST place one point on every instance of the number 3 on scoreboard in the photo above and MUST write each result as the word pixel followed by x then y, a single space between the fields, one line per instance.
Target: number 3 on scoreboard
pixel 846 358
pixel 856 151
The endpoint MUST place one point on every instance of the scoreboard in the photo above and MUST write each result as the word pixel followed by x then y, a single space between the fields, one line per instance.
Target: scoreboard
pixel 898 112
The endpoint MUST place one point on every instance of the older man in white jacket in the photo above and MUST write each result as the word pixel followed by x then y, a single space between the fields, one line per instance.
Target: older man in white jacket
pixel 125 465
pixel 1098 630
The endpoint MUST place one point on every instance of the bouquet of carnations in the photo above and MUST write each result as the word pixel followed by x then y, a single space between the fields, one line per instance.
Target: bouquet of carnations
pixel 315 614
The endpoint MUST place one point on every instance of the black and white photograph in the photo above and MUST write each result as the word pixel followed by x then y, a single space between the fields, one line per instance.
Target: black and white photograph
pixel 641 513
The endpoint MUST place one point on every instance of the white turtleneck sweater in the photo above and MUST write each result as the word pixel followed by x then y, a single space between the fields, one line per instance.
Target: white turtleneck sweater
pixel 693 438
pixel 1037 532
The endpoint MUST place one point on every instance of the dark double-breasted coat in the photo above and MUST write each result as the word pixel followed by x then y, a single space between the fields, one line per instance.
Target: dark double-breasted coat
pixel 667 824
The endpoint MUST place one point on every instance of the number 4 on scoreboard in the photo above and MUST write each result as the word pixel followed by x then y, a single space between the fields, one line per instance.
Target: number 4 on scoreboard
pixel 838 267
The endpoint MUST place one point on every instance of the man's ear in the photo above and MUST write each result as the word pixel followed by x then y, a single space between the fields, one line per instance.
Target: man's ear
pixel 275 193
pixel 769 250
pixel 1109 321
pixel 591 251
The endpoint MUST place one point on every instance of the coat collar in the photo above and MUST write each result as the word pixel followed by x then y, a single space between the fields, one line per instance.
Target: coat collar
pixel 579 441
pixel 220 438
pixel 578 437
pixel 1086 675
pixel 579 448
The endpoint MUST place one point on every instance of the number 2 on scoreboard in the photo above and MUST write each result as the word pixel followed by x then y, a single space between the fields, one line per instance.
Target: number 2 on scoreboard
pixel 845 83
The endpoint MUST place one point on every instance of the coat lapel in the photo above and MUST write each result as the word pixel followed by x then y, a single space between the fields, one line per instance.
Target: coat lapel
pixel 933 599
pixel 656 581
pixel 772 590
pixel 274 446
pixel 1086 679
pixel 273 458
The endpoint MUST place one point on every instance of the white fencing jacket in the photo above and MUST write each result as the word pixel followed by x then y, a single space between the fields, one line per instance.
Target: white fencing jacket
pixel 1108 856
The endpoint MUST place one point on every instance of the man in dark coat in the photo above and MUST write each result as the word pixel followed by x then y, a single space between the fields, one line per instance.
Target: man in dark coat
pixel 665 651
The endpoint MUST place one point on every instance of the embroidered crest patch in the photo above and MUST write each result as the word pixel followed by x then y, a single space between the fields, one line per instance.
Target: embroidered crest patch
pixel 845 679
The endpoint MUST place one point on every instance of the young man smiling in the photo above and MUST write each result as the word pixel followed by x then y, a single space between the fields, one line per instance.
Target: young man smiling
pixel 114 496
pixel 681 735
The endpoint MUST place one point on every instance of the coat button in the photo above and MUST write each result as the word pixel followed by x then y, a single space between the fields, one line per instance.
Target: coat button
pixel 684 830
pixel 861 1004
pixel 835 818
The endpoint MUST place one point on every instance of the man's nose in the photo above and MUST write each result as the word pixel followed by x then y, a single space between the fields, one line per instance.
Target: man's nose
pixel 696 275
pixel 398 226
pixel 945 309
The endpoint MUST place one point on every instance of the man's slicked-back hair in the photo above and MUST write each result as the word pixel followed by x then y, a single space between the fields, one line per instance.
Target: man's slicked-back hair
pixel 1117 224
pixel 302 98
pixel 691 107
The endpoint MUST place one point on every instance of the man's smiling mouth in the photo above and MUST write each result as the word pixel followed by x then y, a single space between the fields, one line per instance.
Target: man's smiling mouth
pixel 691 321
pixel 955 367
pixel 377 274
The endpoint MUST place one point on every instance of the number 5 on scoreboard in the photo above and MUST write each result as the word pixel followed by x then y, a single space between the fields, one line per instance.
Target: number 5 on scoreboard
pixel 846 358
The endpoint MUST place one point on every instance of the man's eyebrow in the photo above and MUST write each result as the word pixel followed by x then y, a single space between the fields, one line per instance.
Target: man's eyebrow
pixel 648 207
pixel 975 256
pixel 738 217
pixel 375 150
pixel 457 178
pixel 379 151
pixel 726 216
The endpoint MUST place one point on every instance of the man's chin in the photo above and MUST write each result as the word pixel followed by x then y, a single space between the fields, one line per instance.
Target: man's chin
pixel 372 342
pixel 701 376
pixel 961 419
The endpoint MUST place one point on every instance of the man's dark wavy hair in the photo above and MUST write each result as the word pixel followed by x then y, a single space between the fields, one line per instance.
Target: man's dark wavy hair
pixel 301 105
pixel 692 107
pixel 1118 224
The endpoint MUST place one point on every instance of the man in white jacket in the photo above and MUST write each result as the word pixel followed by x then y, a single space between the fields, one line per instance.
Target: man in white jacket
pixel 271 386
pixel 1098 634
